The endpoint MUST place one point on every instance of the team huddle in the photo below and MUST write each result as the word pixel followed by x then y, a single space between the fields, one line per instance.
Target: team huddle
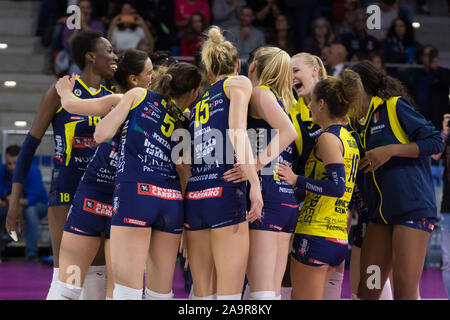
pixel 254 178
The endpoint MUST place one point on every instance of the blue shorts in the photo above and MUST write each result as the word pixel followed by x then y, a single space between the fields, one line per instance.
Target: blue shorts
pixel 318 251
pixel 276 216
pixel 64 185
pixel 214 206
pixel 145 205
pixel 91 211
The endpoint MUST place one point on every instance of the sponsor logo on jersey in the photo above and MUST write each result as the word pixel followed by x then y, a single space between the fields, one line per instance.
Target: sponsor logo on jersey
pixel 135 222
pixel 83 142
pixel 205 194
pixel 155 191
pixel 77 230
pixel 96 207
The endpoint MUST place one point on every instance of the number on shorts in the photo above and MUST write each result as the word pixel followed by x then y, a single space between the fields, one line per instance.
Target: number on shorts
pixel 65 197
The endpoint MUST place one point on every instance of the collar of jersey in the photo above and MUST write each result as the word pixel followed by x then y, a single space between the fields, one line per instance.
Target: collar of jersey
pixel 87 88
pixel 375 103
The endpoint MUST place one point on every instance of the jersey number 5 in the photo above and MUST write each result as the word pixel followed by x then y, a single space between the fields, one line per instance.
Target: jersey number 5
pixel 167 130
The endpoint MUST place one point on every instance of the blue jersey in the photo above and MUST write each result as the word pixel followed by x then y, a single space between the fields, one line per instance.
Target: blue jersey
pixel 145 142
pixel 270 183
pixel 209 139
pixel 73 134
pixel 101 170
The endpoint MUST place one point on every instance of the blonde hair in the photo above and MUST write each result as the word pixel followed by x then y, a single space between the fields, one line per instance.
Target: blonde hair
pixel 218 55
pixel 313 61
pixel 275 71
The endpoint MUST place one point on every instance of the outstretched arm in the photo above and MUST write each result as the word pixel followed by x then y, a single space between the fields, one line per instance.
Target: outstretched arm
pixel 107 128
pixel 86 107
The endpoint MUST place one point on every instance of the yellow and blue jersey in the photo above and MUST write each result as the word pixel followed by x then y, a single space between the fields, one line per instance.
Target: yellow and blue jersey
pixel 307 133
pixel 73 134
pixel 145 142
pixel 402 188
pixel 326 216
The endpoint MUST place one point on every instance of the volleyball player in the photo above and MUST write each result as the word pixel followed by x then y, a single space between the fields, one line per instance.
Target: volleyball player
pixel 147 201
pixel 74 144
pixel 271 74
pixel 90 214
pixel 216 222
pixel 397 186
pixel 320 241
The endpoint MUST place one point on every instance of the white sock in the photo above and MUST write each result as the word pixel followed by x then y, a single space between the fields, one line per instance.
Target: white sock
pixel 286 293
pixel 278 297
pixel 152 295
pixel 246 294
pixel 262 295
pixel 64 291
pixel 126 293
pixel 55 277
pixel 108 298
pixel 418 298
pixel 94 287
pixel 386 293
pixel 230 297
pixel 334 287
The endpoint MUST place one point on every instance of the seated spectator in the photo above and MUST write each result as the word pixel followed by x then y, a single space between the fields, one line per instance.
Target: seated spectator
pixel 127 29
pixel 399 46
pixel 341 12
pixel 325 54
pixel 185 8
pixel 226 12
pixel 322 35
pixel 377 60
pixel 192 40
pixel 388 13
pixel 33 202
pixel 245 37
pixel 266 12
pixel 358 40
pixel 431 86
pixel 336 59
pixel 145 46
pixel 86 23
pixel 161 17
pixel 283 36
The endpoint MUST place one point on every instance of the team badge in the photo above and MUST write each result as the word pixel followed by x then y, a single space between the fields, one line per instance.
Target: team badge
pixel 77 92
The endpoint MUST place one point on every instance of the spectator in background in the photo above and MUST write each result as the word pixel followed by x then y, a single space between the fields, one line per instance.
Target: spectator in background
pixel 160 15
pixel 341 14
pixel 245 37
pixel 226 12
pixel 336 59
pixel 302 13
pixel 377 60
pixel 388 13
pixel 358 40
pixel 431 86
pixel 192 40
pixel 266 12
pixel 86 23
pixel 33 202
pixel 128 28
pixel 145 46
pixel 399 45
pixel 321 36
pixel 185 8
pixel 325 54
pixel 282 35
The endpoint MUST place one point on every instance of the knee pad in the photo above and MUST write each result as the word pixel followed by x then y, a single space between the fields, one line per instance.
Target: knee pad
pixel 386 293
pixel 230 297
pixel 94 287
pixel 262 295
pixel 126 293
pixel 51 290
pixel 152 295
pixel 333 288
pixel 64 291
pixel 286 293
